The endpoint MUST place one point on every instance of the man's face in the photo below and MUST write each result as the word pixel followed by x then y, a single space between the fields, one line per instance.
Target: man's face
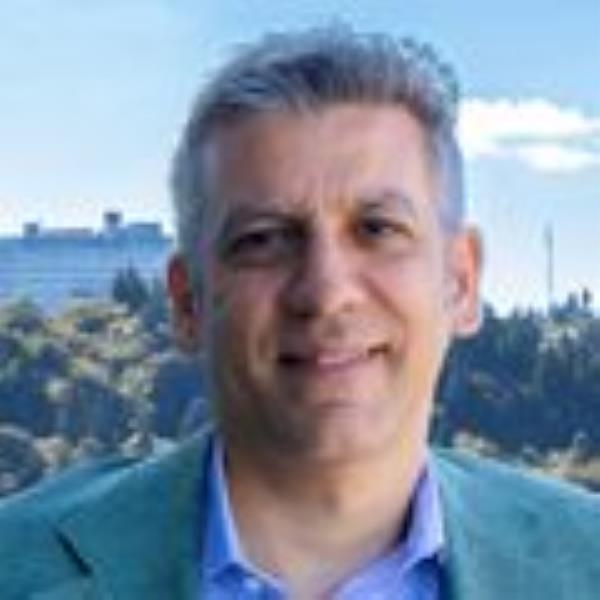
pixel 330 289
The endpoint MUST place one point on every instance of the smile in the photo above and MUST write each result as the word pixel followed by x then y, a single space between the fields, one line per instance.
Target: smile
pixel 331 361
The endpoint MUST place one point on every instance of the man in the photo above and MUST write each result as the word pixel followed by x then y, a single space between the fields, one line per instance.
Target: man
pixel 324 269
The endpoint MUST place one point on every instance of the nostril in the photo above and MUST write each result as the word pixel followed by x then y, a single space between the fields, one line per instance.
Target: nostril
pixel 376 350
pixel 289 360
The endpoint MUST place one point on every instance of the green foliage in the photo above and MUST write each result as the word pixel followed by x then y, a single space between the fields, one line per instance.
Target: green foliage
pixel 104 377
pixel 21 463
pixel 22 316
pixel 527 380
pixel 88 381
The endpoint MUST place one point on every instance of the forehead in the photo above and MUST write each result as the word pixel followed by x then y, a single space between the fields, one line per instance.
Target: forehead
pixel 340 152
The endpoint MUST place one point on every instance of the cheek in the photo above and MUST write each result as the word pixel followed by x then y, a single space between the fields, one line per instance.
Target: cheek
pixel 243 310
pixel 411 285
pixel 413 293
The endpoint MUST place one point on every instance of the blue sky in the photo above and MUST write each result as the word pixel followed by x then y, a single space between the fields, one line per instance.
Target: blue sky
pixel 93 95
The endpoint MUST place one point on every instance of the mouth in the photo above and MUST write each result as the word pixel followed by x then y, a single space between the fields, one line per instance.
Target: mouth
pixel 331 360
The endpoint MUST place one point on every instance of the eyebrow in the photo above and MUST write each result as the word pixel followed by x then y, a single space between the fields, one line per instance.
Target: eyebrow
pixel 249 213
pixel 390 198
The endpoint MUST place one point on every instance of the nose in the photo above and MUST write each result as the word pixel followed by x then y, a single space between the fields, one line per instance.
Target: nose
pixel 327 280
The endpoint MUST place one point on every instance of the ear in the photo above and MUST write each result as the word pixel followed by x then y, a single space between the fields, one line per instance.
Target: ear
pixel 466 268
pixel 185 313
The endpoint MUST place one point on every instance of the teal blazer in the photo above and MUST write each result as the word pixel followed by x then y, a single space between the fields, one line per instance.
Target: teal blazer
pixel 125 530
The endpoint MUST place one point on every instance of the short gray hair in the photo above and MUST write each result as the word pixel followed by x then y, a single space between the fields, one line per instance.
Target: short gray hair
pixel 304 71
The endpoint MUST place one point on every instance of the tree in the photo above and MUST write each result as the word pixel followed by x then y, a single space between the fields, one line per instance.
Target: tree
pixel 130 289
pixel 20 462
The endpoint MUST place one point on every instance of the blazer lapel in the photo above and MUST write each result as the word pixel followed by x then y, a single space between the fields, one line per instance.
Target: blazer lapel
pixel 140 537
pixel 496 547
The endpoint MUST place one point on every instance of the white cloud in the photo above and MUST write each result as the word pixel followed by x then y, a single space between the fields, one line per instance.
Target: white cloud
pixel 556 158
pixel 544 135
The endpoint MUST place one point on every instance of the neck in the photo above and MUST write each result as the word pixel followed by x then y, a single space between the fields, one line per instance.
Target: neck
pixel 355 511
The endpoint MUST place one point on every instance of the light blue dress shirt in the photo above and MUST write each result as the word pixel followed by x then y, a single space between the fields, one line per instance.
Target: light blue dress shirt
pixel 411 571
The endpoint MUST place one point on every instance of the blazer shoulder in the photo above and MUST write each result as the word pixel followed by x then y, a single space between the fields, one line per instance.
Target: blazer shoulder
pixel 516 533
pixel 504 486
pixel 59 491
pixel 52 533
pixel 35 508
pixel 31 553
pixel 99 481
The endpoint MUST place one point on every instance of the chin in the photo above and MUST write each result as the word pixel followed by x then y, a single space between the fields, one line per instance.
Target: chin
pixel 349 442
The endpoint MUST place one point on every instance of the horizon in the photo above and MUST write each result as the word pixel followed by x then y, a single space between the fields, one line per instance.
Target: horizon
pixel 100 227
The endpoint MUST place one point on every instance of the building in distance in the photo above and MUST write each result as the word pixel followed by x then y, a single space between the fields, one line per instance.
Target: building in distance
pixel 53 266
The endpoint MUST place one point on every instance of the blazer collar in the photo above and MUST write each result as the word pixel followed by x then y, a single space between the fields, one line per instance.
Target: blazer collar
pixel 139 537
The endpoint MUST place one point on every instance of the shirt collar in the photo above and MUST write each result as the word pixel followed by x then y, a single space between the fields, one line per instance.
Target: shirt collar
pixel 223 550
pixel 425 531
pixel 223 547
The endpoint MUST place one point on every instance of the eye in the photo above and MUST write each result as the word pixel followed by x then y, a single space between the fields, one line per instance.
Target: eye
pixel 262 244
pixel 374 228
